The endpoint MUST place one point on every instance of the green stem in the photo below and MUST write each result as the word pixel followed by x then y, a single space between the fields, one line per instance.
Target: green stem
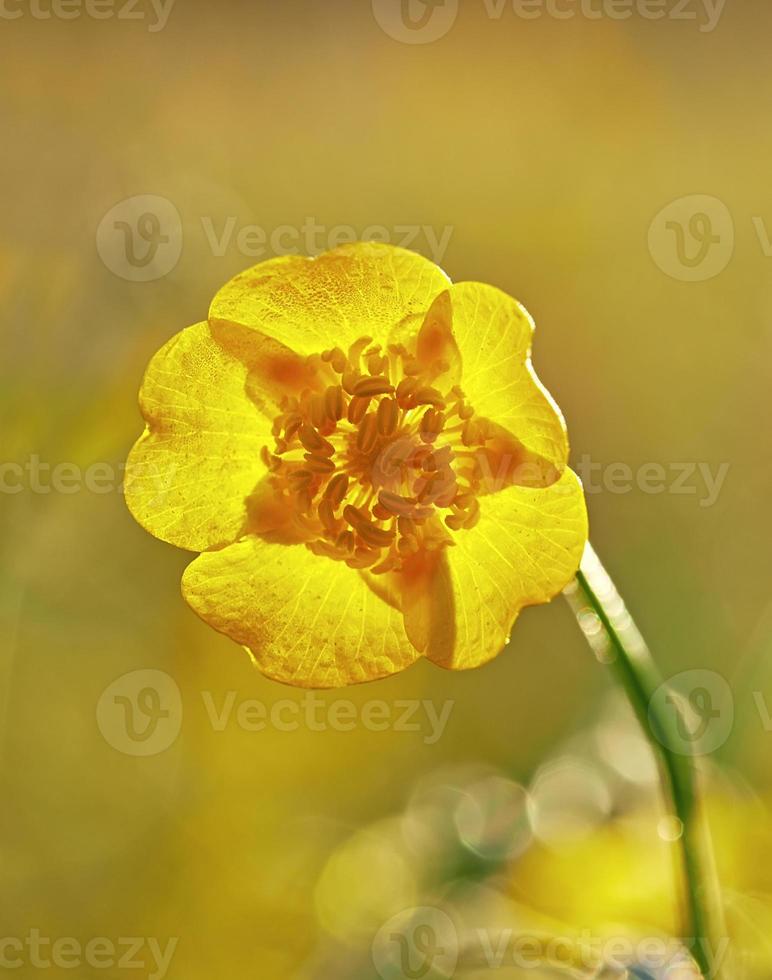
pixel 664 724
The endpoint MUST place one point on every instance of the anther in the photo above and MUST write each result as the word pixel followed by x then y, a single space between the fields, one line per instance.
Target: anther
pixel 327 516
pixel 431 424
pixel 357 409
pixel 334 403
pixel 368 433
pixel 406 388
pixel 317 411
pixel 311 440
pixel 428 396
pixel 338 360
pixel 396 504
pixel 368 387
pixel 350 380
pixel 337 489
pixel 319 464
pixel 300 479
pixel 362 558
pixel 376 362
pixel 345 541
pixel 388 416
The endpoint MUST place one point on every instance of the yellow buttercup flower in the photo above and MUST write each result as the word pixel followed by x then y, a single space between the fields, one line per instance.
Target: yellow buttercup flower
pixel 363 455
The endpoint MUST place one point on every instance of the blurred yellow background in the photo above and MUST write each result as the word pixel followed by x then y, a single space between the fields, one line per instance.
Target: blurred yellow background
pixel 532 153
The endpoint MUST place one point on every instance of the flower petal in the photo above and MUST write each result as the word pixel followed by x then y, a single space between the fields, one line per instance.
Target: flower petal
pixel 189 474
pixel 364 289
pixel 525 549
pixel 493 333
pixel 308 620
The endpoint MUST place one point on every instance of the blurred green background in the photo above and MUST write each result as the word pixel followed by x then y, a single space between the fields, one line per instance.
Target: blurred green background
pixel 540 153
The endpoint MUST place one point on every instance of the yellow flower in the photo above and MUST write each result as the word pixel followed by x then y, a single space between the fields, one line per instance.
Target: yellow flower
pixel 369 465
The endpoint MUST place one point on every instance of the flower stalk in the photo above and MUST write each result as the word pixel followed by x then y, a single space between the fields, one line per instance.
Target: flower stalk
pixel 612 634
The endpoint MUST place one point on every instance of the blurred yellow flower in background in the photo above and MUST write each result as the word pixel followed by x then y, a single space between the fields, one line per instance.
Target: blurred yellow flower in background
pixel 363 455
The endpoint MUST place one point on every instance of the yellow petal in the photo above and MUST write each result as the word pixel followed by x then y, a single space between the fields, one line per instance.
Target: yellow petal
pixel 311 305
pixel 188 476
pixel 308 620
pixel 524 550
pixel 493 333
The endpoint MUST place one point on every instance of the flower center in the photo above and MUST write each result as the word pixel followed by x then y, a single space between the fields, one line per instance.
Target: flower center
pixel 377 465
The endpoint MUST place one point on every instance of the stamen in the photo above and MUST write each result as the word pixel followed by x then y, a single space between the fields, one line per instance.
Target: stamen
pixel 395 504
pixel 373 386
pixel 314 443
pixel 372 458
pixel 428 396
pixel 300 479
pixel 334 403
pixel 327 517
pixel 345 541
pixel 431 424
pixel 388 416
pixel 357 409
pixel 319 464
pixel 337 489
pixel 317 411
pixel 368 433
